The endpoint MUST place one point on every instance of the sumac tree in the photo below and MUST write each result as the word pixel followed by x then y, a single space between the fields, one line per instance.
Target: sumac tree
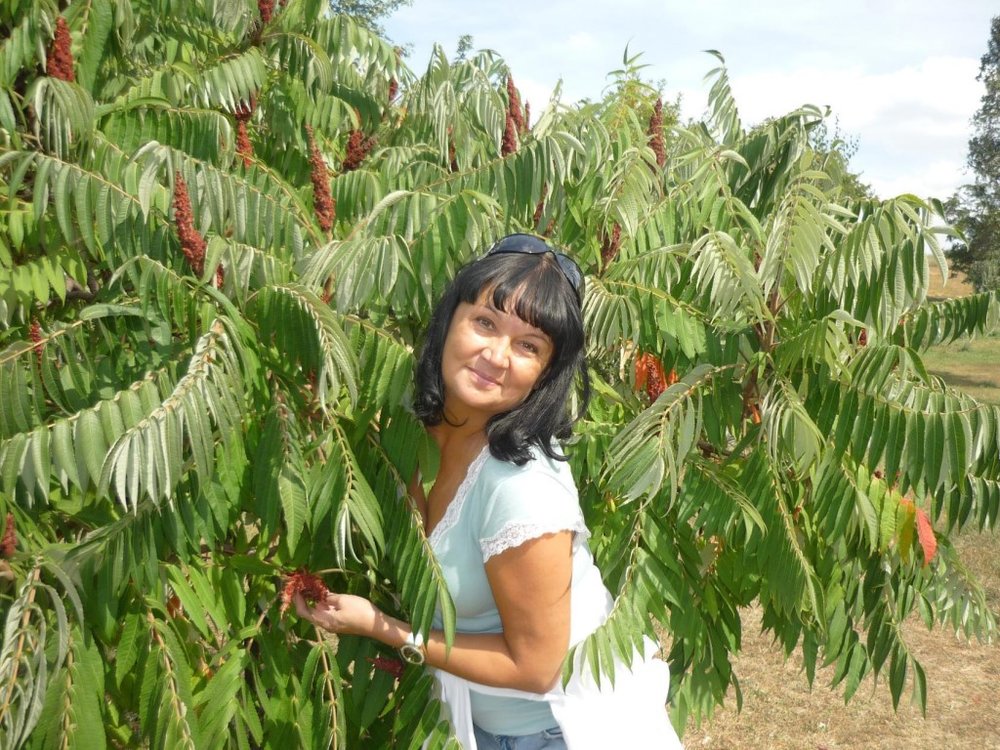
pixel 176 437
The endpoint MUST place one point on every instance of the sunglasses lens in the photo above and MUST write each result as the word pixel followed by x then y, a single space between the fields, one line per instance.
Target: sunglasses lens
pixel 572 273
pixel 526 244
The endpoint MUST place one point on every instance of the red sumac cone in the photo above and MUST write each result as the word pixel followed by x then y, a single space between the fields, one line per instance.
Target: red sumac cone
pixel 244 110
pixel 540 207
pixel 59 61
pixel 452 156
pixel 192 243
pixel 392 666
pixel 302 582
pixel 514 105
pixel 8 545
pixel 649 375
pixel 610 244
pixel 357 150
pixel 266 8
pixel 326 208
pixel 655 133
pixel 509 144
pixel 36 337
pixel 243 145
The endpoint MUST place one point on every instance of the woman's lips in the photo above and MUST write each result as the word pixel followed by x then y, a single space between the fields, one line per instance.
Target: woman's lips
pixel 481 376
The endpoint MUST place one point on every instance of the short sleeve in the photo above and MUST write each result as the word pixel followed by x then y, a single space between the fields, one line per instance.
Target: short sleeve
pixel 526 506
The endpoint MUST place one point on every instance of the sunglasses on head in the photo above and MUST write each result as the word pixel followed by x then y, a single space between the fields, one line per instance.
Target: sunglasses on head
pixel 528 244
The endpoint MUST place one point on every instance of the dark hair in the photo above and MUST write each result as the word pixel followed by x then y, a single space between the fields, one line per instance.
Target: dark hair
pixel 540 294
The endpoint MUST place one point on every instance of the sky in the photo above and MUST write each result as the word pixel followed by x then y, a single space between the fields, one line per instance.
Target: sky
pixel 898 75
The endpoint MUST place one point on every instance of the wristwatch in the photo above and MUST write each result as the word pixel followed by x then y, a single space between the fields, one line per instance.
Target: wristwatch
pixel 412 649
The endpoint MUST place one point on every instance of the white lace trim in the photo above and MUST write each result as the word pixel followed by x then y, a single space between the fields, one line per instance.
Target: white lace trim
pixel 454 509
pixel 515 533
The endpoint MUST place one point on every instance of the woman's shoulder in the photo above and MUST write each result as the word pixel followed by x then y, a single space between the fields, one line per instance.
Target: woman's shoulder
pixel 540 473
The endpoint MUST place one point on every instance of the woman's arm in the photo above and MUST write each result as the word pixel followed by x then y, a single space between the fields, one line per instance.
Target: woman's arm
pixel 531 587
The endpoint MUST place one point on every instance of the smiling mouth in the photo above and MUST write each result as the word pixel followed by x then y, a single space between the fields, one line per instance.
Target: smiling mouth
pixel 482 376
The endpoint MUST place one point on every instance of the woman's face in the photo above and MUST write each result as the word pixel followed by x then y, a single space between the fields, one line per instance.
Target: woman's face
pixel 491 360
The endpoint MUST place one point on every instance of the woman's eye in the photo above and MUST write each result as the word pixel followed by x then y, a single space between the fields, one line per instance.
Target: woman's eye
pixel 484 322
pixel 529 347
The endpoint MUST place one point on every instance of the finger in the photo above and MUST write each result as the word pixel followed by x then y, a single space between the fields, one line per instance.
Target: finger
pixel 302 609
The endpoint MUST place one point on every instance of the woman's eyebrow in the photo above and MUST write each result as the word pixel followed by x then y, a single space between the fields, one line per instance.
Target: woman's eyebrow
pixel 535 332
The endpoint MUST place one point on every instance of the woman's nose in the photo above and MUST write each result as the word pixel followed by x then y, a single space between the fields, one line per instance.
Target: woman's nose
pixel 498 352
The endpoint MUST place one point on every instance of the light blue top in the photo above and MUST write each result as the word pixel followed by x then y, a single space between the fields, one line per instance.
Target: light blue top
pixel 499 506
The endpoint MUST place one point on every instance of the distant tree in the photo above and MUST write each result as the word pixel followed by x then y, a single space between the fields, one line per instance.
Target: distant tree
pixel 464 46
pixel 975 208
pixel 834 151
pixel 368 13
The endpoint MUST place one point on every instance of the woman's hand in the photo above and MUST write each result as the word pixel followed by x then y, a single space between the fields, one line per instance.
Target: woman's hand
pixel 342 613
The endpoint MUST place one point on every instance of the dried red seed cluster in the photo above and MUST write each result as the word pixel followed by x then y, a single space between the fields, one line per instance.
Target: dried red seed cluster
pixel 452 158
pixel 610 244
pixel 655 133
pixel 514 105
pixel 302 582
pixel 357 150
pixel 59 61
pixel 192 243
pixel 325 206
pixel 649 375
pixel 393 89
pixel 392 666
pixel 36 337
pixel 8 545
pixel 863 337
pixel 220 276
pixel 540 207
pixel 244 110
pixel 243 145
pixel 527 115
pixel 266 8
pixel 509 144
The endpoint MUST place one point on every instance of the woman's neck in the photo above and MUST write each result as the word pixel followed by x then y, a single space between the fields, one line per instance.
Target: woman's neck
pixel 459 440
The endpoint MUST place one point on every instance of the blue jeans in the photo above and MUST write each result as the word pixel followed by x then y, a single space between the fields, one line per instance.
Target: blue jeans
pixel 547 739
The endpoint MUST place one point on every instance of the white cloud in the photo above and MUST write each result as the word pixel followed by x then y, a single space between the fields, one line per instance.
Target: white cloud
pixel 936 179
pixel 581 41
pixel 902 118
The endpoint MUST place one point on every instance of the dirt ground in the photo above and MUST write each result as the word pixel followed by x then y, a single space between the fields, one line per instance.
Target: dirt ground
pixel 780 712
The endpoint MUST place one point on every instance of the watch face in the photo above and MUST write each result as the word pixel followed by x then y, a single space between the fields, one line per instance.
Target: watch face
pixel 411 653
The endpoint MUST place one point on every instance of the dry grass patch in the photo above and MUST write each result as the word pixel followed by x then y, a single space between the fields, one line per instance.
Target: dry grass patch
pixel 780 712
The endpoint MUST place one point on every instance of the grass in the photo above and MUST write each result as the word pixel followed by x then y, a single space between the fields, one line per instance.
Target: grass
pixel 781 712
pixel 971 365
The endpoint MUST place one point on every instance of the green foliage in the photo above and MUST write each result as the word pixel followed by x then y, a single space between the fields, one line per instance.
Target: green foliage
pixel 172 444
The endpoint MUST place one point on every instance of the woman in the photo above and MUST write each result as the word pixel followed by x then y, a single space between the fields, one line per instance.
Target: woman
pixel 504 349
